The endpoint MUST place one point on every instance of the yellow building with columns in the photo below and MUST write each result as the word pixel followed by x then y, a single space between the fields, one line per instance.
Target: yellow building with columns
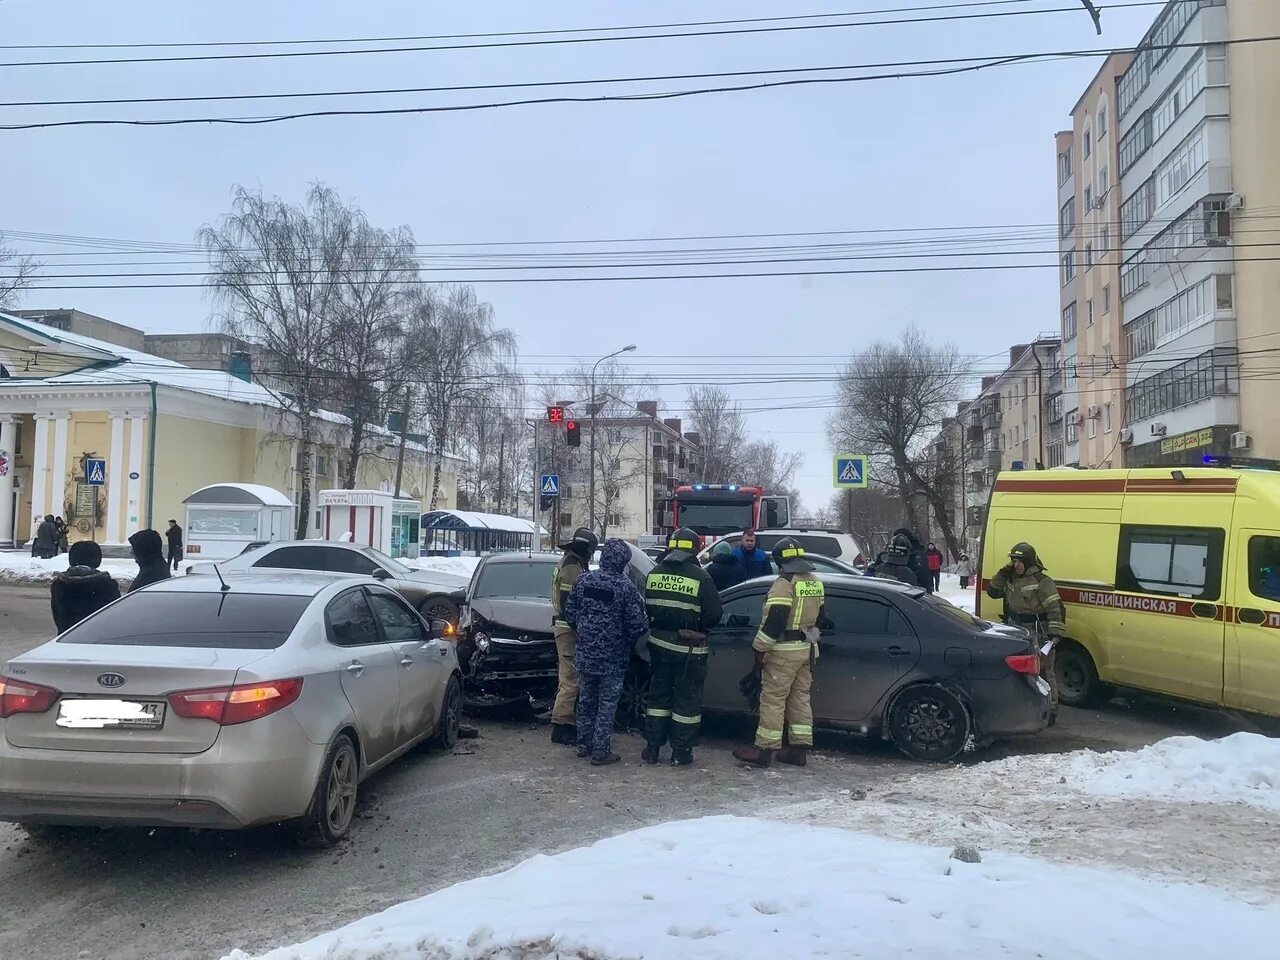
pixel 165 430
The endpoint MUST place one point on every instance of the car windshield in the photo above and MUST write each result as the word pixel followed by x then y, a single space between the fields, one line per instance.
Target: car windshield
pixel 390 564
pixel 529 579
pixel 231 621
pixel 715 517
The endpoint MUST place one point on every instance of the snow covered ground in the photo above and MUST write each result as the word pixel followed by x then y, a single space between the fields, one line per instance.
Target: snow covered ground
pixel 949 589
pixel 742 888
pixel 21 566
pixel 462 566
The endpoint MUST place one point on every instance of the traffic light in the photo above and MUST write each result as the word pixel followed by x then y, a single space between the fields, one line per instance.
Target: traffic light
pixel 555 414
pixel 573 433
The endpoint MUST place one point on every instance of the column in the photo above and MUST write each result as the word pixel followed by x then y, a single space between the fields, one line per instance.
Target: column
pixel 8 440
pixel 116 479
pixel 40 468
pixel 58 491
pixel 135 517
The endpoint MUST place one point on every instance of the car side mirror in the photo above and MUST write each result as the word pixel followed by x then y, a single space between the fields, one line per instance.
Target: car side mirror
pixel 739 620
pixel 380 574
pixel 442 630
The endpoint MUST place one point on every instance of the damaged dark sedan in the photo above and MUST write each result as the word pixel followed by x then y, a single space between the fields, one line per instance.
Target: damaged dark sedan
pixel 505 645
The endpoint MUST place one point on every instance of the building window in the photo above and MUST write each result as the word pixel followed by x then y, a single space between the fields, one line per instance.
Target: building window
pixel 1088 198
pixel 1106 418
pixel 322 465
pixel 1183 164
pixel 1089 305
pixel 1067 216
pixel 1069 321
pixel 303 461
pixel 1185 309
pixel 1102 120
pixel 1104 185
pixel 1213 373
pixel 1088 143
pixel 1104 240
pixel 1064 166
pixel 1106 299
pixel 1224 300
pixel 1093 427
pixel 1053 455
pixel 1068 267
pixel 1072 417
pixel 1138 209
pixel 1088 255
pixel 1135 143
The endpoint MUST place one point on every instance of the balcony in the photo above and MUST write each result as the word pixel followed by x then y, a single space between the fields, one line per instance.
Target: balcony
pixel 995 459
pixel 1054 383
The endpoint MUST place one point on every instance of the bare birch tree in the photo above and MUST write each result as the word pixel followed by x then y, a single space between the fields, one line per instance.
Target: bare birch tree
pixel 17 271
pixel 891 399
pixel 722 431
pixel 277 269
pixel 457 356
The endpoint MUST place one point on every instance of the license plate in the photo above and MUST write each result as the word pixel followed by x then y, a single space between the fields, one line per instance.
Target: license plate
pixel 111 714
pixel 1043 686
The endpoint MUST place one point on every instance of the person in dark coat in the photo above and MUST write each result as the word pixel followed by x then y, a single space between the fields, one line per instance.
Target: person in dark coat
pixel 82 588
pixel 753 560
pixel 148 550
pixel 61 526
pixel 174 536
pixel 895 562
pixel 724 568
pixel 919 566
pixel 606 612
pixel 45 542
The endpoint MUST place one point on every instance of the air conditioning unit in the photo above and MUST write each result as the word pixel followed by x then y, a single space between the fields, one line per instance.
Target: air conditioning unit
pixel 1235 202
pixel 1095 412
pixel 1073 418
pixel 1126 435
pixel 1158 429
pixel 1241 441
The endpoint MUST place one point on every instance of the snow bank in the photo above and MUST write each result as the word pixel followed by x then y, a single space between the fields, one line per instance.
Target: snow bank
pixel 461 566
pixel 1241 768
pixel 19 566
pixel 742 889
pixel 949 590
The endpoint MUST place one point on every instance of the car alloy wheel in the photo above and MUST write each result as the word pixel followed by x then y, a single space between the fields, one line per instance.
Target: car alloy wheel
pixel 440 608
pixel 340 803
pixel 333 805
pixel 929 723
pixel 450 716
pixel 635 696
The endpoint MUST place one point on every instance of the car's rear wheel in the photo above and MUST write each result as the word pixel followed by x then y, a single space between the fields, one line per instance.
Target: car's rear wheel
pixel 450 715
pixel 635 696
pixel 333 806
pixel 1077 676
pixel 439 608
pixel 929 723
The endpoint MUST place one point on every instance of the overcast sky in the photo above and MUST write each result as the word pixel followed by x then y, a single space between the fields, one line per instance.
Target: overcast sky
pixel 974 149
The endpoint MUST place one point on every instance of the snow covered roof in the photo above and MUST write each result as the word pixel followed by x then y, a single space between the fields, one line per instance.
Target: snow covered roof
pixel 469 520
pixel 240 493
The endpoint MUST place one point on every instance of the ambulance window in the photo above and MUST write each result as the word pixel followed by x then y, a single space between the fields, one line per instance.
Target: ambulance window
pixel 1178 561
pixel 1264 567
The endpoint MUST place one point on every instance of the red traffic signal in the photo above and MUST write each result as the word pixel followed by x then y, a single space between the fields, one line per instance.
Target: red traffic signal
pixel 573 433
pixel 555 414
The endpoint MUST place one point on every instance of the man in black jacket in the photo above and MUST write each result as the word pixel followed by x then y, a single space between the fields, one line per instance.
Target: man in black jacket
pixel 44 542
pixel 916 561
pixel 174 536
pixel 82 588
pixel 682 604
pixel 148 550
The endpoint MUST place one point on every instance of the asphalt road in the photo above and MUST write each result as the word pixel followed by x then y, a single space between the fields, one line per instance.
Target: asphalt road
pixel 430 821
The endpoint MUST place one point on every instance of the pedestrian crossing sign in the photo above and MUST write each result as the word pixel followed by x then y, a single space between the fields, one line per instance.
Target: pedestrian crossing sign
pixel 851 471
pixel 95 471
pixel 550 485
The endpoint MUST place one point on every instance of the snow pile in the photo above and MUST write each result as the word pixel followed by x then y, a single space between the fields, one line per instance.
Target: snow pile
pixel 742 889
pixel 20 566
pixel 949 590
pixel 461 566
pixel 1241 768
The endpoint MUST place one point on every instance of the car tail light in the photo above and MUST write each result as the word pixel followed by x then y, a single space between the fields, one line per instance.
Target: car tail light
pixel 1024 663
pixel 239 704
pixel 21 696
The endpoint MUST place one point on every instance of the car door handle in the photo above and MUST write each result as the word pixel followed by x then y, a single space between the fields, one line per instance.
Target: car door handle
pixel 356 667
pixel 1205 611
pixel 406 661
pixel 1251 615
pixel 896 651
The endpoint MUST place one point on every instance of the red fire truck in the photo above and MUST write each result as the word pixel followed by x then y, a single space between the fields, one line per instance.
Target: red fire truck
pixel 714 510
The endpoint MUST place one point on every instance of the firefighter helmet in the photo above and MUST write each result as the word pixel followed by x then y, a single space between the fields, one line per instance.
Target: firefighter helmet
pixel 788 554
pixel 583 543
pixel 683 541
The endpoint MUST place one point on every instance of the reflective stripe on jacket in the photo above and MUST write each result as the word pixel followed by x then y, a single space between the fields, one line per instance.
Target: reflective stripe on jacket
pixel 567 571
pixel 793 605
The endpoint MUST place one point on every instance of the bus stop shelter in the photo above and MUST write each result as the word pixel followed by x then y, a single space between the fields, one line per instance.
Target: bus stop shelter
pixel 464 533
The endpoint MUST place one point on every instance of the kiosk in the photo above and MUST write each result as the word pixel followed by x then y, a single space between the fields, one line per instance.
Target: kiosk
pixel 223 519
pixel 374 518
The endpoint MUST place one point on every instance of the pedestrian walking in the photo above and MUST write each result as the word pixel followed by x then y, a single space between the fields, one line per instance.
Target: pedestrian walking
pixel 45 542
pixel 682 603
pixel 786 647
pixel 1031 600
pixel 61 526
pixel 577 558
pixel 606 613
pixel 933 560
pixel 148 550
pixel 964 570
pixel 174 536
pixel 81 589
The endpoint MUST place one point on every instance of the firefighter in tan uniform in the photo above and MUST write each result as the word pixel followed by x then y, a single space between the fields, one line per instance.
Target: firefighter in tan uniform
pixel 786 647
pixel 1031 601
pixel 577 557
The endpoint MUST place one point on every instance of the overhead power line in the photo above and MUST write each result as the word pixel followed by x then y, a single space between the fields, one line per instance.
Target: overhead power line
pixel 559 41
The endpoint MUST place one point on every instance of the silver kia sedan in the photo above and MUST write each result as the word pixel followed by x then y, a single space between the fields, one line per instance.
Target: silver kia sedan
pixel 198 702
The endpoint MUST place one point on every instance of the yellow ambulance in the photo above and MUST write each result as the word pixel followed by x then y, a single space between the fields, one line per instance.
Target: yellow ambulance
pixel 1171 576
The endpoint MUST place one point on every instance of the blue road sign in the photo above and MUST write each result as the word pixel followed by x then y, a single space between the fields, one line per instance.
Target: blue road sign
pixel 550 485
pixel 851 470
pixel 95 471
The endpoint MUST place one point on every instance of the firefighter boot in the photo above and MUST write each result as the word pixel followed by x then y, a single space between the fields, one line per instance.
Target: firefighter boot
pixel 793 755
pixel 650 753
pixel 565 734
pixel 753 755
pixel 681 756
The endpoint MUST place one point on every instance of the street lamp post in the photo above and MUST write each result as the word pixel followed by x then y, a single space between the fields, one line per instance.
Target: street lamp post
pixel 591 507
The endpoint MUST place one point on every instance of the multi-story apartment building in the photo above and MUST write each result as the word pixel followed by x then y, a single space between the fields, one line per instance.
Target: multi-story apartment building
pixel 1023 389
pixel 1090 380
